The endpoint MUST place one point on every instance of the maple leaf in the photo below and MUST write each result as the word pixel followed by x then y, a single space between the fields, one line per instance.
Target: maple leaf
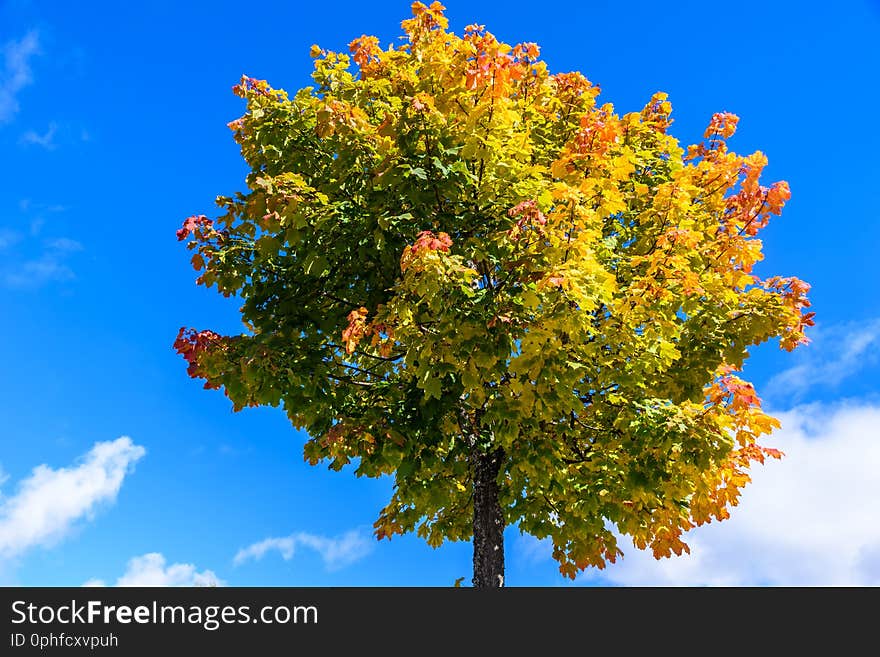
pixel 723 124
pixel 777 195
pixel 355 330
pixel 365 49
pixel 192 224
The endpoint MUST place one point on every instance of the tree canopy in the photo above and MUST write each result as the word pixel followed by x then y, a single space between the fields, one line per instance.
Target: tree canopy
pixel 445 249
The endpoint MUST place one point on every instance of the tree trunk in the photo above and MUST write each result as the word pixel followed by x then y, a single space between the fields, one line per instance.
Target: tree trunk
pixel 488 520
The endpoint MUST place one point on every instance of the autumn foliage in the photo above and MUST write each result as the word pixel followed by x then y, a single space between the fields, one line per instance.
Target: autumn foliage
pixel 445 248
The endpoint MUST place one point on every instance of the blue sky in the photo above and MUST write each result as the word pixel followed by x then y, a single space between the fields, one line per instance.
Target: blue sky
pixel 113 129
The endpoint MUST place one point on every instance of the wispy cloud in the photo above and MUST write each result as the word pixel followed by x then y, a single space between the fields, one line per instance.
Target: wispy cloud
pixel 16 73
pixel 48 504
pixel 27 204
pixel 39 213
pixel 64 244
pixel 335 552
pixel 836 353
pixel 286 546
pixel 36 273
pixel 50 265
pixel 30 260
pixel 152 570
pixel 807 520
pixel 56 134
pixel 8 238
pixel 45 140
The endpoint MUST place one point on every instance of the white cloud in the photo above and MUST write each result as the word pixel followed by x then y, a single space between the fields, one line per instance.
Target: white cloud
pixel 835 353
pixel 340 551
pixel 286 546
pixel 48 504
pixel 34 273
pixel 64 244
pixel 8 238
pixel 45 140
pixel 810 519
pixel 40 213
pixel 151 570
pixel 32 260
pixel 532 550
pixel 335 552
pixel 16 73
pixel 51 265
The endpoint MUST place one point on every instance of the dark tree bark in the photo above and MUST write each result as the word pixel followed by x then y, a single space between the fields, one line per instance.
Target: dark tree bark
pixel 488 519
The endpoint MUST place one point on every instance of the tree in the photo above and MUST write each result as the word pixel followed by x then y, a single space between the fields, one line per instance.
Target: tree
pixel 458 269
